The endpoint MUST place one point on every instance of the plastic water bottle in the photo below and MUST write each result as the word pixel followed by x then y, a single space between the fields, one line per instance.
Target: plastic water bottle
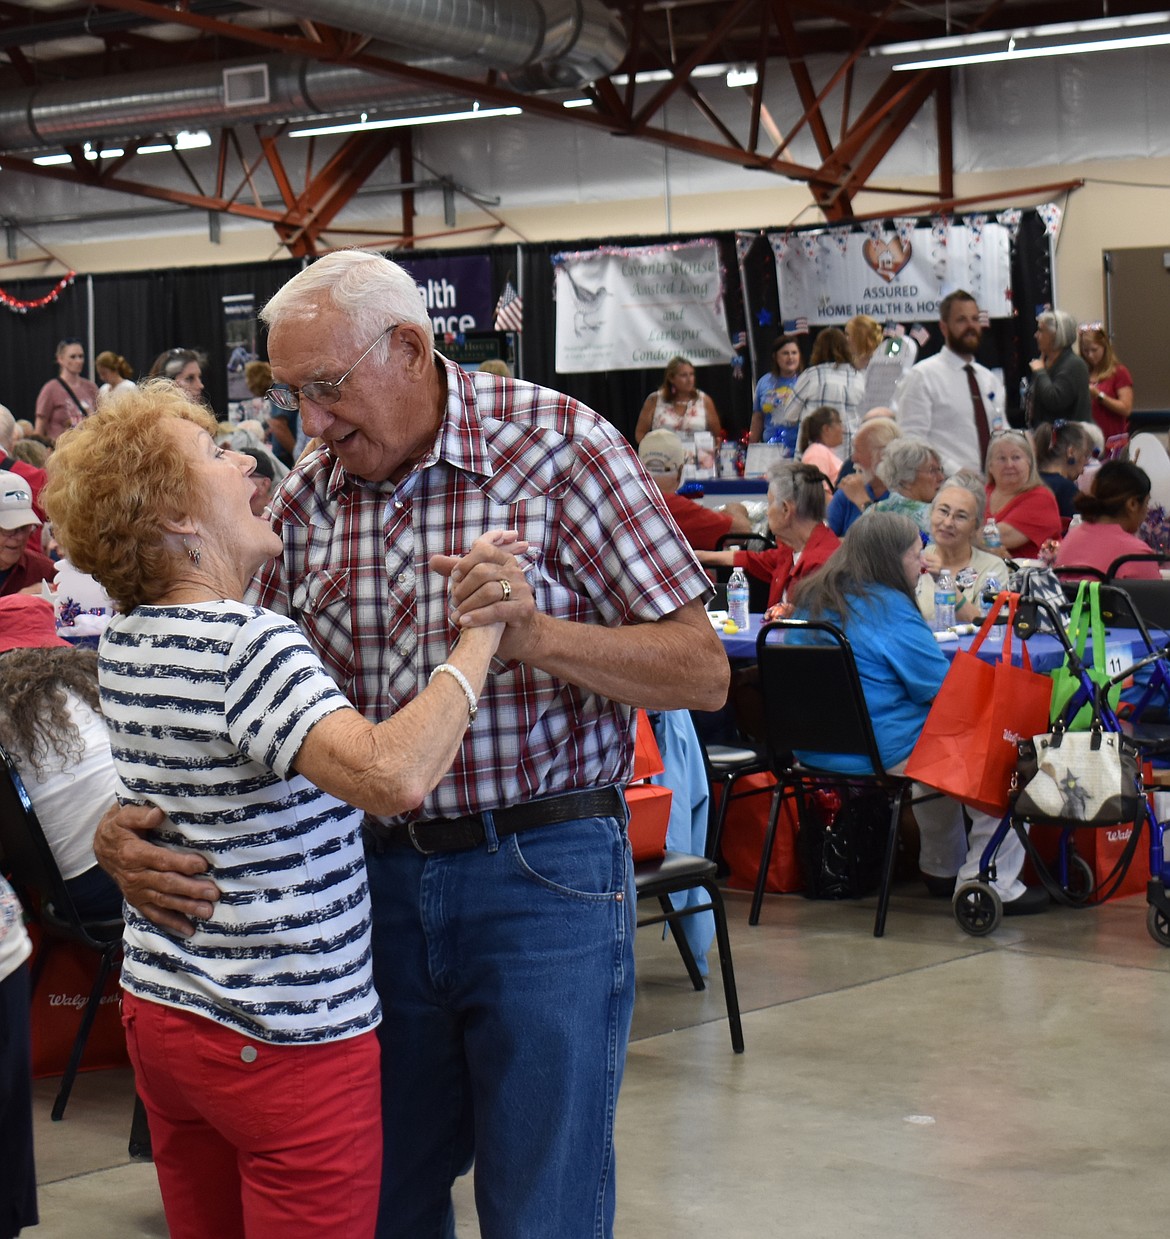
pixel 737 599
pixel 991 538
pixel 944 602
pixel 991 588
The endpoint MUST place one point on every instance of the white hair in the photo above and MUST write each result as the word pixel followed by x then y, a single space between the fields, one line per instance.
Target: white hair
pixel 372 292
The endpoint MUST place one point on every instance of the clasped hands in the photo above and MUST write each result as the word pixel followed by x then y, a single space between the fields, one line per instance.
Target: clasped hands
pixel 169 886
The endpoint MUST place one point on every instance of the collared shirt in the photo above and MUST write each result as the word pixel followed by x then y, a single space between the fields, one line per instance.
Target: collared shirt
pixel 933 403
pixel 836 384
pixel 603 550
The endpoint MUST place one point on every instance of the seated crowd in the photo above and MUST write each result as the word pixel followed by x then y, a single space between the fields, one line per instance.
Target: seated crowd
pixel 870 558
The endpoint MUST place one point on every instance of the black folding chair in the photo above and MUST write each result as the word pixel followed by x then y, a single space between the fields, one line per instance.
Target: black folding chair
pixel 1150 598
pixel 813 701
pixel 29 860
pixel 1073 574
pixel 672 874
pixel 1135 557
pixel 757 589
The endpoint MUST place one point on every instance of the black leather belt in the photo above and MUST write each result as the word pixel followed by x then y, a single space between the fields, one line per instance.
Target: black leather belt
pixel 461 834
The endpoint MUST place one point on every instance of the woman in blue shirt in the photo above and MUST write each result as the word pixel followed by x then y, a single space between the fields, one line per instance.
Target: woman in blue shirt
pixel 774 392
pixel 868 590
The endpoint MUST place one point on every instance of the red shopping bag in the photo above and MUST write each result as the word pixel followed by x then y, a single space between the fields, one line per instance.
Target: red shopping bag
pixel 648 804
pixel 649 808
pixel 1101 848
pixel 968 745
pixel 743 838
pixel 57 1004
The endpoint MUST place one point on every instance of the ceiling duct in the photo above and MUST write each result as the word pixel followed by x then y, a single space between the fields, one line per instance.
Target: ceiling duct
pixel 559 43
pixel 542 42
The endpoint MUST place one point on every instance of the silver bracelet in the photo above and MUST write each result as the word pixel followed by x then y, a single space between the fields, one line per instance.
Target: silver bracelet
pixel 464 683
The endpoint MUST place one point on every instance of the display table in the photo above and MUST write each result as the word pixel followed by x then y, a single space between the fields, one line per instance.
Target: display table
pixel 718 491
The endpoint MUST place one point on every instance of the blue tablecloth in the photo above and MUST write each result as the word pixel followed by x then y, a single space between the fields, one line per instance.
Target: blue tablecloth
pixel 1045 650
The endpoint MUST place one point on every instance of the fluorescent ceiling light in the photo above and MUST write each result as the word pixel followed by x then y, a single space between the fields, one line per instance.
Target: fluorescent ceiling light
pixel 400 122
pixel 667 75
pixel 1032 42
pixel 742 77
pixel 577 103
pixel 185 141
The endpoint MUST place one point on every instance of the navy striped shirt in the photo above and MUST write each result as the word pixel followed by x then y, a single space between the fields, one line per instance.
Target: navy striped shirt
pixel 208 705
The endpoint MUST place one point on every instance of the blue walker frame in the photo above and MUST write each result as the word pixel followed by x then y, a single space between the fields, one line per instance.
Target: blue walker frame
pixel 977 906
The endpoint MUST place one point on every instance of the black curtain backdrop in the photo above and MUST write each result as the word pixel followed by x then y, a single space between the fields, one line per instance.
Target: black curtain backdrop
pixel 140 314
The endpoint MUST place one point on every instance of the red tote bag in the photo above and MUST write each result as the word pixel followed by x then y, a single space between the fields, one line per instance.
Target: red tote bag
pixel 968 745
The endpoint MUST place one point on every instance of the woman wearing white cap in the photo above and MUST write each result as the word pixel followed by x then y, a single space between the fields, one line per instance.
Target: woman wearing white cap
pixel 21 568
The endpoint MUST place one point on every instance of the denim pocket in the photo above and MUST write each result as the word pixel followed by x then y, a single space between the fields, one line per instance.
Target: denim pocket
pixel 584 859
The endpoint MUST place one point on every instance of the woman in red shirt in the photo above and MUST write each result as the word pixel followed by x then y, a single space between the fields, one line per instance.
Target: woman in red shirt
pixel 796 515
pixel 1110 383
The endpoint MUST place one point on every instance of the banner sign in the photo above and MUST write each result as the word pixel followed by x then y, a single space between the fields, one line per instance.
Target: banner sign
pixel 457 292
pixel 239 336
pixel 635 309
pixel 831 274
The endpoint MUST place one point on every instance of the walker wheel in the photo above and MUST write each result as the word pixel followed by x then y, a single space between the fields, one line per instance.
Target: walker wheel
pixel 977 908
pixel 1082 881
pixel 1158 923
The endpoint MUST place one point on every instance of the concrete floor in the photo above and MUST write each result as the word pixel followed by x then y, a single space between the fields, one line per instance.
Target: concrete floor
pixel 927 1084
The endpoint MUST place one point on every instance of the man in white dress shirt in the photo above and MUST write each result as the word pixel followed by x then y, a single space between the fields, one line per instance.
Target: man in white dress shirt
pixel 950 400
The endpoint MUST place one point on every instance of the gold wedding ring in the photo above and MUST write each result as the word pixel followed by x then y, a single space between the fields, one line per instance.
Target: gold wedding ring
pixel 507 589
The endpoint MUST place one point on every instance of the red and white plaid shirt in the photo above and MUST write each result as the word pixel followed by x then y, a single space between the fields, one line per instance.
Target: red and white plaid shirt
pixel 603 550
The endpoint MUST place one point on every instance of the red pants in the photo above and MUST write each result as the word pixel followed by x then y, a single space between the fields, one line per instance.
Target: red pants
pixel 256 1140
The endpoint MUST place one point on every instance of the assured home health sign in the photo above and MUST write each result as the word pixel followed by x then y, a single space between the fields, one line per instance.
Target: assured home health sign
pixel 900 274
pixel 635 309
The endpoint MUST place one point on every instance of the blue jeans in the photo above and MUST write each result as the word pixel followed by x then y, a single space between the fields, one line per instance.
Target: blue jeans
pixel 507 981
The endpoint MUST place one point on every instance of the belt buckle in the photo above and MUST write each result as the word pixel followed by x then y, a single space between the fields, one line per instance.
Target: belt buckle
pixel 414 843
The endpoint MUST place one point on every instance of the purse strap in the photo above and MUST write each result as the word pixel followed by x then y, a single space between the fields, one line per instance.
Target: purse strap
pixel 1078 630
pixel 73 396
pixel 1097 628
pixel 1012 602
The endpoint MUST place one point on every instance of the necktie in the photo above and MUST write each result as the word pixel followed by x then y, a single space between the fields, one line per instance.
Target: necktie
pixel 982 429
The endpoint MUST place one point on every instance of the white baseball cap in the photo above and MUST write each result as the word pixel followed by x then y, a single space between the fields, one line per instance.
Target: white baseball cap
pixel 16 508
pixel 662 451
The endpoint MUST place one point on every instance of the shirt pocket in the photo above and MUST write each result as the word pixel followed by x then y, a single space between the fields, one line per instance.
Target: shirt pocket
pixel 322 603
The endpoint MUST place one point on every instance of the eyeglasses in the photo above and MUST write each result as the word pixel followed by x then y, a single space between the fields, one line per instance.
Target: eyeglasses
pixel 289 398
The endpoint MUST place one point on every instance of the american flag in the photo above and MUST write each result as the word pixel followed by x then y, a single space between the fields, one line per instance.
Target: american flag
pixel 510 309
pixel 796 326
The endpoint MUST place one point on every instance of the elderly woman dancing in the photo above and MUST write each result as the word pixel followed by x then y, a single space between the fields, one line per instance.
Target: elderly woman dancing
pixel 252 1039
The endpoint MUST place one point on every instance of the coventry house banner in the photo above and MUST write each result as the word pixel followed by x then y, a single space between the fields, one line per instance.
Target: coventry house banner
pixel 635 309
